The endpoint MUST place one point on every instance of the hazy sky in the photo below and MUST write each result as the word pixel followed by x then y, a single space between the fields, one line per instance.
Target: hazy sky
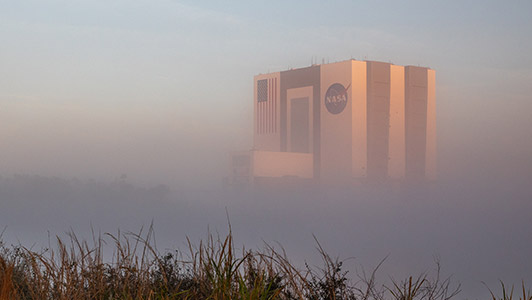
pixel 151 89
pixel 161 91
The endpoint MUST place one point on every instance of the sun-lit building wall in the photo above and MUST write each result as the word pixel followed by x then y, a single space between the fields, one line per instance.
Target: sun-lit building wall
pixel 359 132
pixel 378 112
pixel 416 98
pixel 336 123
pixel 396 141
pixel 431 144
pixel 282 164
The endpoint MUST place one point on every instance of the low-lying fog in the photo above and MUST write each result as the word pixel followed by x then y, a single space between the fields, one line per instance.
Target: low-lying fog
pixel 480 232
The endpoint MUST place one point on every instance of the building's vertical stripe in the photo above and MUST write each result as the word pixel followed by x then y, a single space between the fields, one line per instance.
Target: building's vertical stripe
pixel 267 105
pixel 359 119
pixel 266 110
pixel 430 154
pixel 396 145
pixel 415 122
pixel 378 95
pixel 270 107
pixel 264 116
pixel 261 117
pixel 258 117
pixel 275 105
pixel 316 123
pixel 257 110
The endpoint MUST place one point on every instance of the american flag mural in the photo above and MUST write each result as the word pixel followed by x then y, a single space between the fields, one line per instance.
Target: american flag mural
pixel 266 106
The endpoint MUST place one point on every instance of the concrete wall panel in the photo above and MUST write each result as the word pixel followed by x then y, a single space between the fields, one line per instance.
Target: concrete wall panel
pixel 296 94
pixel 415 121
pixel 396 143
pixel 358 93
pixel 430 158
pixel 280 164
pixel 378 112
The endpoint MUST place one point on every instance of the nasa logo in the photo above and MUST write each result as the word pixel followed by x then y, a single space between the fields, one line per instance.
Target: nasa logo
pixel 336 98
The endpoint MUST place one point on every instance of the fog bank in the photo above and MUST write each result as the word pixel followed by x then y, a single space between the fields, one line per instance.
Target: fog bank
pixel 479 232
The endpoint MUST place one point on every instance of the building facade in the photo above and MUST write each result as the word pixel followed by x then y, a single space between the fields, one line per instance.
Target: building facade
pixel 342 123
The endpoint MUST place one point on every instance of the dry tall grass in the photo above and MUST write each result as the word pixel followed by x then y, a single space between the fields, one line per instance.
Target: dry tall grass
pixel 75 269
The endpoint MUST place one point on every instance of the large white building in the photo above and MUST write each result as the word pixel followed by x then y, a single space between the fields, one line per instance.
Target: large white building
pixel 342 123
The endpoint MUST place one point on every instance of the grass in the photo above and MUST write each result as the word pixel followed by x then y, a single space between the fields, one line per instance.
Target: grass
pixel 213 269
pixel 509 295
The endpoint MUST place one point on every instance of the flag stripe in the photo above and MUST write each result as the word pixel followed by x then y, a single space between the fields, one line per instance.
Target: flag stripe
pixel 275 108
pixel 270 108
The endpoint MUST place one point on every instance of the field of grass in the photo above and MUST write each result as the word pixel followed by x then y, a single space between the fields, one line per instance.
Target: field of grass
pixel 213 269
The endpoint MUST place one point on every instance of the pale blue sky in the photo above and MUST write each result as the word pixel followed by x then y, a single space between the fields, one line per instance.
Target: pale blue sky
pixel 92 88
